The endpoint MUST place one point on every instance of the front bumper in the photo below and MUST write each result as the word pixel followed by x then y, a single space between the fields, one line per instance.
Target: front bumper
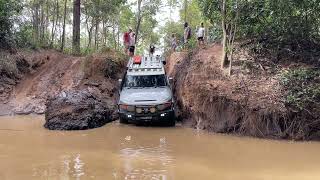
pixel 163 116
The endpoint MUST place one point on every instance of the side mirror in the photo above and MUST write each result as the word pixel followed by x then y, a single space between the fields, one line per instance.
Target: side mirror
pixel 171 80
pixel 164 63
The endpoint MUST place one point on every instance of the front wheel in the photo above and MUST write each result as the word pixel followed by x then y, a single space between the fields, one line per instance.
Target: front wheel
pixel 123 121
pixel 171 122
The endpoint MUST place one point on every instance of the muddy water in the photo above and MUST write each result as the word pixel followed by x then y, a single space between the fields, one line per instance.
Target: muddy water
pixel 28 151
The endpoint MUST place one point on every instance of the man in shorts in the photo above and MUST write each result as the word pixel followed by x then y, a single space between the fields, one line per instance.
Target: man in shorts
pixel 187 34
pixel 126 41
pixel 201 35
pixel 132 44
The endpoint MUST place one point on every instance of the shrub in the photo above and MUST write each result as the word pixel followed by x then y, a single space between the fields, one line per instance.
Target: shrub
pixel 8 65
pixel 302 89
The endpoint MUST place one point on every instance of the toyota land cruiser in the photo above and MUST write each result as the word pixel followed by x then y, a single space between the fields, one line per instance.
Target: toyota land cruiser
pixel 145 93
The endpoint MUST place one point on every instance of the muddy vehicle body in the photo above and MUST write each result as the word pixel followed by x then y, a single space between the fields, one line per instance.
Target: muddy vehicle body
pixel 145 93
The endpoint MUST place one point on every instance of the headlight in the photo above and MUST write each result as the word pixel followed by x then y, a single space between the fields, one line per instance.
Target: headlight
pixel 153 110
pixel 127 107
pixel 139 110
pixel 165 106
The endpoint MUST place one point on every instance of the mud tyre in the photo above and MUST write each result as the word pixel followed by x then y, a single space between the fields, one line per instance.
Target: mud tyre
pixel 171 122
pixel 123 121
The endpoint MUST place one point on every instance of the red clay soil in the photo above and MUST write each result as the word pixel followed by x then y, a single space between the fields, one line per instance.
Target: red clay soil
pixel 53 72
pixel 244 104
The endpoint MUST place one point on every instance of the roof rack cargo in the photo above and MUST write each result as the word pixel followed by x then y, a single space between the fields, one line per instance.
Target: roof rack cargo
pixel 146 64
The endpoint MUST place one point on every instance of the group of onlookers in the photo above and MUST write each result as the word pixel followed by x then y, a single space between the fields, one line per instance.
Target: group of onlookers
pixel 129 39
pixel 187 35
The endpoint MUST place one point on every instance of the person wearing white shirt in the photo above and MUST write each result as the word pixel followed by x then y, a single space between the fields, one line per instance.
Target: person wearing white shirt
pixel 201 35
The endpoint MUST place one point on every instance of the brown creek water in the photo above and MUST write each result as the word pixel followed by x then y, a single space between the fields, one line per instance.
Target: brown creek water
pixel 116 152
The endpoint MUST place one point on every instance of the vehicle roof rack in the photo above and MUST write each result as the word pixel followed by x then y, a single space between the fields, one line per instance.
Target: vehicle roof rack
pixel 145 63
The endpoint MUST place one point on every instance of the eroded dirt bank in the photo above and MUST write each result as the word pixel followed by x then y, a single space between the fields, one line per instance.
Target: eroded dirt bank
pixel 249 104
pixel 45 75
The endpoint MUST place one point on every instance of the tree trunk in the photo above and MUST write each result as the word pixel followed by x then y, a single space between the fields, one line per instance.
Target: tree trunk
pixel 114 35
pixel 89 29
pixel 45 28
pixel 185 10
pixel 105 34
pixel 63 38
pixel 139 18
pixel 54 23
pixel 232 38
pixel 224 40
pixel 36 21
pixel 96 35
pixel 76 27
pixel 118 32
pixel 42 21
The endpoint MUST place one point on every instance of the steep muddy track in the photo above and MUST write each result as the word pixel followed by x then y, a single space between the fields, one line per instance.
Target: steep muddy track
pixel 58 72
pixel 51 73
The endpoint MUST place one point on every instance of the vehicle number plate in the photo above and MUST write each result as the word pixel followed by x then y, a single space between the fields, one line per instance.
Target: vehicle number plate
pixel 146 118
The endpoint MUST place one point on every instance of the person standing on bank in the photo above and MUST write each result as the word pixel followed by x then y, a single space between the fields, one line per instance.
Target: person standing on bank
pixel 132 44
pixel 187 34
pixel 152 50
pixel 201 36
pixel 174 42
pixel 126 41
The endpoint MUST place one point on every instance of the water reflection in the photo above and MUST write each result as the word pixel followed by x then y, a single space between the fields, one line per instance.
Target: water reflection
pixel 65 166
pixel 78 167
pixel 141 162
pixel 70 166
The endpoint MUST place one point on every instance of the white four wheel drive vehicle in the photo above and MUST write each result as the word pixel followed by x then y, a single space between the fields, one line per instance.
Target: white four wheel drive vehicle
pixel 145 93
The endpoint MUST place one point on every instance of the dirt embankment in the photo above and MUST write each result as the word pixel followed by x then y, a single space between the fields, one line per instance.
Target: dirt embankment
pixel 47 73
pixel 249 104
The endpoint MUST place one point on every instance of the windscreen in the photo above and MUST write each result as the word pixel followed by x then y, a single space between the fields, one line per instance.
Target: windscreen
pixel 145 81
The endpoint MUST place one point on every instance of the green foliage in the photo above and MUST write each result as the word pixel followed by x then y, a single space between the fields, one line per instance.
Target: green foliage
pixel 102 9
pixel 303 88
pixel 127 18
pixel 9 9
pixel 288 20
pixel 194 16
pixel 172 28
pixel 24 35
pixel 147 34
pixel 8 65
